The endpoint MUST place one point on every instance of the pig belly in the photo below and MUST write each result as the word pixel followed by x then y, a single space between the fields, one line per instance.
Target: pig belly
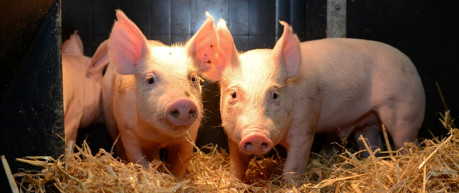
pixel 346 109
pixel 344 129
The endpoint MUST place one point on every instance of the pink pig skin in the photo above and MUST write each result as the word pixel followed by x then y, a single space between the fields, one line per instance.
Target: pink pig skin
pixel 82 82
pixel 152 95
pixel 287 94
pixel 73 45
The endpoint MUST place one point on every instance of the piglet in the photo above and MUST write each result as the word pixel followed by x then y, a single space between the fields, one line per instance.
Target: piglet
pixel 82 82
pixel 152 93
pixel 287 94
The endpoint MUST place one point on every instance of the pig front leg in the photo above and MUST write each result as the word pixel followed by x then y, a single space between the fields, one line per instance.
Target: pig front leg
pixel 299 144
pixel 179 155
pixel 133 149
pixel 238 160
pixel 71 130
pixel 72 119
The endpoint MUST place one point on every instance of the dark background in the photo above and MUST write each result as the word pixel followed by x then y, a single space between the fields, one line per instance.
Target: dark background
pixel 31 90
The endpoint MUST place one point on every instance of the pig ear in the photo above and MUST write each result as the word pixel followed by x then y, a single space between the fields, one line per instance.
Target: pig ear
pixel 100 59
pixel 287 51
pixel 128 45
pixel 202 47
pixel 227 52
pixel 73 45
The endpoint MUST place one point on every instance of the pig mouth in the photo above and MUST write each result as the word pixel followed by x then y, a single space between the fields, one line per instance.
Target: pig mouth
pixel 179 128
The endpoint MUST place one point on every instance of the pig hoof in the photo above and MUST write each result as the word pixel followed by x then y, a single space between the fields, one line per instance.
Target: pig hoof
pixel 182 112
pixel 256 144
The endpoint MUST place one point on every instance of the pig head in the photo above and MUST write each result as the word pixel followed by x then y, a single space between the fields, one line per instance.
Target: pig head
pixel 152 93
pixel 286 94
pixel 82 81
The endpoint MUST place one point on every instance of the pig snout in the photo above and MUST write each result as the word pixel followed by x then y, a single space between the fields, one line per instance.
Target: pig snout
pixel 182 112
pixel 255 144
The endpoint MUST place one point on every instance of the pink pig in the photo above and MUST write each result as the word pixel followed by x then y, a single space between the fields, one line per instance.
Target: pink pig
pixel 152 93
pixel 287 94
pixel 82 82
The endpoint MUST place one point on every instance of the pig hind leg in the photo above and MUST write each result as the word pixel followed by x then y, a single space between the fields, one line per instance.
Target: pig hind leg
pixel 402 121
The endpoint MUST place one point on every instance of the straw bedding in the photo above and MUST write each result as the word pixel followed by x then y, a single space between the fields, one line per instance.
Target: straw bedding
pixel 430 166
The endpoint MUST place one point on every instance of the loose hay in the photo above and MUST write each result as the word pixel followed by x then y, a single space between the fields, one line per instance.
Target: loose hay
pixel 431 166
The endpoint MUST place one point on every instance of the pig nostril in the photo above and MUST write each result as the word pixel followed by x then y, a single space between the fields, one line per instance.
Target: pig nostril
pixel 264 145
pixel 247 145
pixel 192 113
pixel 174 113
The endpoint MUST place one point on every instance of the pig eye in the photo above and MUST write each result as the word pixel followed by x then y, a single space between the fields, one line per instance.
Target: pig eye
pixel 150 80
pixel 275 95
pixel 193 78
pixel 233 95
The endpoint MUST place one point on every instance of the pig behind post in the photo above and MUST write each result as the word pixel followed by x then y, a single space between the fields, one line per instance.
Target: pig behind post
pixel 82 81
pixel 152 93
pixel 287 94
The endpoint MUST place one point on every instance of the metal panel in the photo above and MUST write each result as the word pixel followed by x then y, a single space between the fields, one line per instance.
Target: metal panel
pixel 282 14
pixel 241 42
pixel 31 114
pixel 316 20
pixel 336 18
pixel 180 19
pixel 297 17
pixel 264 41
pixel 261 16
pixel 238 21
pixel 261 24
pixel 218 9
pixel 160 21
